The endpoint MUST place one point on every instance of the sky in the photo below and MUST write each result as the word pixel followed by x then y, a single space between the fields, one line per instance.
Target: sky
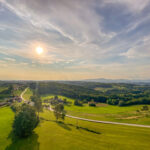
pixel 81 39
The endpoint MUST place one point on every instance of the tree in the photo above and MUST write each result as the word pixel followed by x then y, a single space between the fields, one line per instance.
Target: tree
pixel 65 101
pixel 59 111
pixel 55 97
pixel 121 103
pixel 78 103
pixel 10 89
pixel 25 121
pixel 33 98
pixel 16 107
pixel 145 108
pixel 38 104
pixel 92 104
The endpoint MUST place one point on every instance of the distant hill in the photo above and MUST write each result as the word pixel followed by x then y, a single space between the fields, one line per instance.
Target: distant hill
pixel 102 80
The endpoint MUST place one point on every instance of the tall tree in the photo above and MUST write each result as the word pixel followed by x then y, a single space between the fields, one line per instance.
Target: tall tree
pixel 25 121
pixel 59 112
pixel 38 104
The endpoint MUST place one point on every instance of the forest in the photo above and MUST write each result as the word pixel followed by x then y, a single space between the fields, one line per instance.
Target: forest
pixel 112 93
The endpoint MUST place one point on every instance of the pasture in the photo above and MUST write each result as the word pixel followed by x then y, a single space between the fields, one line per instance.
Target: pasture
pixel 59 136
pixel 104 112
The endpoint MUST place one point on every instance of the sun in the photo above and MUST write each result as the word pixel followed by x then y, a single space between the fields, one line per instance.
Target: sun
pixel 39 50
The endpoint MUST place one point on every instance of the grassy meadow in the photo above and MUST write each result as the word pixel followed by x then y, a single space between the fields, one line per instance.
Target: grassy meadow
pixel 105 112
pixel 59 136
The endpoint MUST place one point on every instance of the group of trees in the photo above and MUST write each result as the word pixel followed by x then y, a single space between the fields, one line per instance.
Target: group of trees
pixel 59 111
pixel 7 92
pixel 78 103
pixel 27 116
pixel 25 121
pixel 114 94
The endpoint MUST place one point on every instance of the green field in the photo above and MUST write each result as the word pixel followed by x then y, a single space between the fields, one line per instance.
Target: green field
pixel 6 119
pixel 106 112
pixel 58 136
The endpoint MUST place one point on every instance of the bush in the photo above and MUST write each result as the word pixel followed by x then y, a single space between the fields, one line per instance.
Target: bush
pixel 25 121
pixel 92 104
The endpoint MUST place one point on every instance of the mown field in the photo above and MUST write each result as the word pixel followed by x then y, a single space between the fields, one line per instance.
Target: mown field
pixel 65 136
pixel 127 114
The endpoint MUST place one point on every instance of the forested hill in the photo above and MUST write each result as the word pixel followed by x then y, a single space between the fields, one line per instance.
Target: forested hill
pixel 111 93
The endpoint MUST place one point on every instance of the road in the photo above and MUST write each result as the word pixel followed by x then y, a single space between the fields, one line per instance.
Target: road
pixel 105 122
pixel 23 94
pixel 96 121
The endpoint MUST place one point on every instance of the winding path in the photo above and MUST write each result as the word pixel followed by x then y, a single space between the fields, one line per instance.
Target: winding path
pixel 90 120
pixel 105 122
pixel 23 94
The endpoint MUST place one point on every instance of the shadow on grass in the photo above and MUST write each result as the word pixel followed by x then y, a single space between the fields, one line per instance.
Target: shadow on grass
pixel 89 130
pixel 66 126
pixel 29 143
pixel 63 125
pixel 60 123
pixel 86 129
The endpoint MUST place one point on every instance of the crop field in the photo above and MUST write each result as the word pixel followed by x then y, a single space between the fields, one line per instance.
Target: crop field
pixel 59 136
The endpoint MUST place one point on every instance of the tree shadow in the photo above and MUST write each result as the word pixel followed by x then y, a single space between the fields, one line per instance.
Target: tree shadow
pixel 63 125
pixel 88 130
pixel 60 123
pixel 66 126
pixel 83 128
pixel 29 143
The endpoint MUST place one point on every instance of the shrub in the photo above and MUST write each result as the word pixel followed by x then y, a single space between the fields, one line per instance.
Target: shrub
pixel 92 104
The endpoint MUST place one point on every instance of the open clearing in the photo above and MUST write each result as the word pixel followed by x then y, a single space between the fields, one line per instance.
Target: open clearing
pixel 58 136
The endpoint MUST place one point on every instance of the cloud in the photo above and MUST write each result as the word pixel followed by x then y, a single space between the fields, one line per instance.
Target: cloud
pixel 135 6
pixel 10 59
pixel 140 50
pixel 83 36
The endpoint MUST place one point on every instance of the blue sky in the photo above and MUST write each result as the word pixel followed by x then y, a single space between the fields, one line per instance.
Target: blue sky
pixel 81 39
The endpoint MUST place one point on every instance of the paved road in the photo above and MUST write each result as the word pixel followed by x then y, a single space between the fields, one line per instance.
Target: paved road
pixel 105 122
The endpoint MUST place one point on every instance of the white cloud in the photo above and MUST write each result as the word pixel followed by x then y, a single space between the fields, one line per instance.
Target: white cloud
pixel 10 59
pixel 135 6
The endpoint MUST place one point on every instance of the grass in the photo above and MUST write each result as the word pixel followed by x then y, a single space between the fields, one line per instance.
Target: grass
pixel 61 97
pixel 6 119
pixel 65 136
pixel 106 112
pixel 28 94
pixel 127 114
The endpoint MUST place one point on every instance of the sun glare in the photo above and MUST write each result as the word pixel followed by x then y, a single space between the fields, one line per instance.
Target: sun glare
pixel 39 50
